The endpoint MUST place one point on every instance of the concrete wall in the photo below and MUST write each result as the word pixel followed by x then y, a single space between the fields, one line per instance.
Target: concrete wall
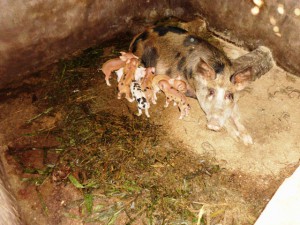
pixel 234 21
pixel 36 33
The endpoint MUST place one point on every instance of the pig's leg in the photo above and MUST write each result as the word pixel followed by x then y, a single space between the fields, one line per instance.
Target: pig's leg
pixel 152 98
pixel 107 76
pixel 243 133
pixel 231 129
pixel 155 91
pixel 119 95
pixel 147 112
pixel 237 129
pixel 181 114
pixel 166 104
pixel 139 112
pixel 182 111
pixel 127 96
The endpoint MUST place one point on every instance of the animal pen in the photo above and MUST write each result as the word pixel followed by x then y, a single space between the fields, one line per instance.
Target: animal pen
pixel 73 152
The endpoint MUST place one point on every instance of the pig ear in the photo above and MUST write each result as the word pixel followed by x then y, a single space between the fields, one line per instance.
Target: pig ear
pixel 206 70
pixel 242 78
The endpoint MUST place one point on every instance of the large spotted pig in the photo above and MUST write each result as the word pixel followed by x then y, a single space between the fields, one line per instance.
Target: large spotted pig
pixel 207 70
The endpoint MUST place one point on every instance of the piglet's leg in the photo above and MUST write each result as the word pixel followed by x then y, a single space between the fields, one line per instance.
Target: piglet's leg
pixel 107 76
pixel 107 82
pixel 139 112
pixel 181 116
pixel 119 95
pixel 147 112
pixel 153 100
pixel 127 96
pixel 167 102
pixel 182 112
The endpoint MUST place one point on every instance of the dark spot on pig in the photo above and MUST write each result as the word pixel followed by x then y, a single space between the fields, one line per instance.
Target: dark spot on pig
pixel 177 55
pixel 143 36
pixel 138 100
pixel 149 57
pixel 190 73
pixel 191 40
pixel 122 83
pixel 163 30
pixel 168 72
pixel 218 67
pixel 144 100
pixel 181 63
pixel 185 73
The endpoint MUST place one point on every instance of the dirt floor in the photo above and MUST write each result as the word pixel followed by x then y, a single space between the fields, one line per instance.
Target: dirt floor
pixel 77 155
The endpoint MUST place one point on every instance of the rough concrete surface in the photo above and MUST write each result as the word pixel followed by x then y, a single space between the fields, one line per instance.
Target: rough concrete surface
pixel 34 34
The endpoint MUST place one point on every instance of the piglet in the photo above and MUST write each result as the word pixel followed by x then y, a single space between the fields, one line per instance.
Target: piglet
pixel 114 64
pixel 178 84
pixel 146 84
pixel 140 97
pixel 155 85
pixel 174 95
pixel 128 76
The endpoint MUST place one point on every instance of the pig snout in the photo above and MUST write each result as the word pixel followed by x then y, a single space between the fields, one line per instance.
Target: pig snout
pixel 215 121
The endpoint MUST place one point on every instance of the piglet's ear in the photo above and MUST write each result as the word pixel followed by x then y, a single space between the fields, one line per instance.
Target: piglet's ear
pixel 206 70
pixel 242 79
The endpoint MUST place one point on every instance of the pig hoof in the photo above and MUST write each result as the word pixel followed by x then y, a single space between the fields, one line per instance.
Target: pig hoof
pixel 247 139
pixel 108 84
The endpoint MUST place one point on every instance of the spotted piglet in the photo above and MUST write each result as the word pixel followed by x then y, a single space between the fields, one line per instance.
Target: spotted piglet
pixel 178 97
pixel 140 97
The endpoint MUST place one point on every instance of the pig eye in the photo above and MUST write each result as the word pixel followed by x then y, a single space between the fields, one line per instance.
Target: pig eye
pixel 211 92
pixel 229 96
